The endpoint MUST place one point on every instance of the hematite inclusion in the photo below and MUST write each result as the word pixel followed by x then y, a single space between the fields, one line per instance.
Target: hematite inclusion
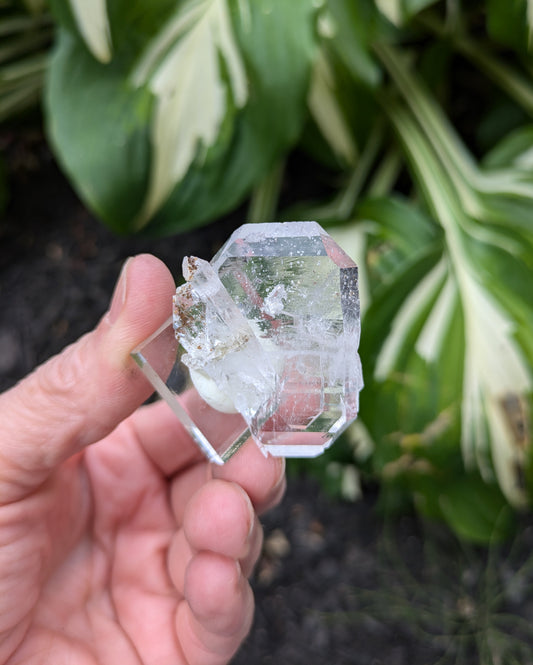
pixel 270 329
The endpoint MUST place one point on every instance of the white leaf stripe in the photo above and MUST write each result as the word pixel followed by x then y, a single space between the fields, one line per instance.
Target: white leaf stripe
pixel 327 113
pixel 191 94
pixel 495 370
pixel 391 9
pixel 408 313
pixel 430 341
pixel 530 23
pixel 93 24
pixel 161 44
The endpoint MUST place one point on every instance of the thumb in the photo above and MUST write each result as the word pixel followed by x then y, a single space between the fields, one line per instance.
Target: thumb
pixel 79 396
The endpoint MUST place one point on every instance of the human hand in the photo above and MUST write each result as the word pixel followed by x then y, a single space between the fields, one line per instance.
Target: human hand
pixel 119 543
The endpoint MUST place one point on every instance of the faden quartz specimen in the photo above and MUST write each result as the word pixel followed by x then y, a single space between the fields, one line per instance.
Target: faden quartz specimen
pixel 268 334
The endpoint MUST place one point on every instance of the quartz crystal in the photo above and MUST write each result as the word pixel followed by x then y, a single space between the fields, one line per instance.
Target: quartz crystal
pixel 268 334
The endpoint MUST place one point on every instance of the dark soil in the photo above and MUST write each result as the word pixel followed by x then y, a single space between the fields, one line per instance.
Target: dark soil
pixel 337 582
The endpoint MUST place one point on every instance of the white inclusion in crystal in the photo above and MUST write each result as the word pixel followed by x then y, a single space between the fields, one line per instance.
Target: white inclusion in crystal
pixel 211 393
pixel 274 302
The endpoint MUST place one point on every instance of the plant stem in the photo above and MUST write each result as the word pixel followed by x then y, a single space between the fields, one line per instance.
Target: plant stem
pixel 25 44
pixel 386 174
pixel 515 85
pixel 348 197
pixel 342 206
pixel 21 98
pixel 18 24
pixel 265 196
pixel 21 69
pixel 459 165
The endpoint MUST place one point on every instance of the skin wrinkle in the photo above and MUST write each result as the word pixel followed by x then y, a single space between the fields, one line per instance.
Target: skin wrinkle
pixel 120 580
pixel 97 607
pixel 10 641
pixel 42 562
pixel 114 617
pixel 204 599
pixel 45 558
pixel 197 642
pixel 62 378
pixel 52 640
pixel 163 563
pixel 197 637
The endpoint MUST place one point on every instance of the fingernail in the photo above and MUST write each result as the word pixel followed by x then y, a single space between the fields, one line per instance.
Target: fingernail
pixel 252 520
pixel 119 294
pixel 281 477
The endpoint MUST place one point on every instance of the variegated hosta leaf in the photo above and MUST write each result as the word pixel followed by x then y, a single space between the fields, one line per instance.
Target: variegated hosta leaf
pixel 448 345
pixel 199 99
pixel 466 323
pixel 197 52
pixel 497 387
pixel 93 23
pixel 446 372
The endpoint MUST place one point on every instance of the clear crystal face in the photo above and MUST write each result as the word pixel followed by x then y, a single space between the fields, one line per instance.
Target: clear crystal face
pixel 269 330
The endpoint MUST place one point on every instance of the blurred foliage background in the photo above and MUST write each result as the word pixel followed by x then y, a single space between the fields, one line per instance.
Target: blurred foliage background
pixel 415 117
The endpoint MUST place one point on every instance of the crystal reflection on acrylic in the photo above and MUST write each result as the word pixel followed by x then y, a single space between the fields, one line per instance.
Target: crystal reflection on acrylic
pixel 267 333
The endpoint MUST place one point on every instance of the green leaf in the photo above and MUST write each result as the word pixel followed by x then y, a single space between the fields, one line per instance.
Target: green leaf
pixel 352 27
pixel 475 510
pixel 413 7
pixel 511 23
pixel 515 150
pixel 277 41
pixel 217 90
pixel 99 125
pixel 398 231
pixel 501 119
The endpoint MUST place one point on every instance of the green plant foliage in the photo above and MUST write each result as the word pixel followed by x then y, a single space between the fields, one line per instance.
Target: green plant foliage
pixel 446 344
pixel 25 37
pixel 195 102
pixel 355 26
pixel 122 141
pixel 511 23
